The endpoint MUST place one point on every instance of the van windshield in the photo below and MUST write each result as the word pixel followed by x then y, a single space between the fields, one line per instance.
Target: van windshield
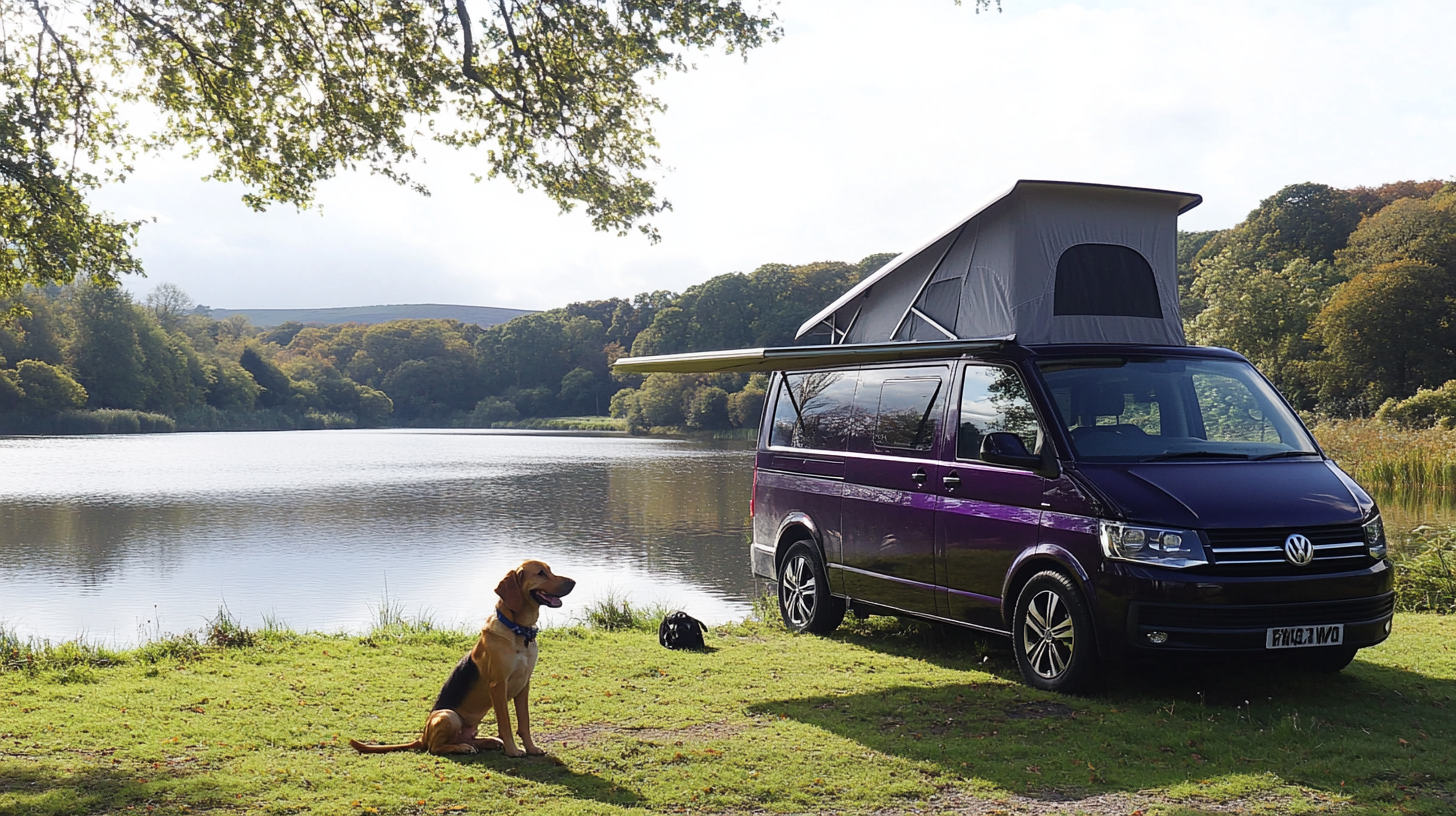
pixel 1148 409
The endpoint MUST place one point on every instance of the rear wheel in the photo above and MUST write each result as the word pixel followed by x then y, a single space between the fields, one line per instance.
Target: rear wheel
pixel 1052 635
pixel 804 599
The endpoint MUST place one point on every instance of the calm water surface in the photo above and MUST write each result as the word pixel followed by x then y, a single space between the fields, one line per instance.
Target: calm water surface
pixel 120 538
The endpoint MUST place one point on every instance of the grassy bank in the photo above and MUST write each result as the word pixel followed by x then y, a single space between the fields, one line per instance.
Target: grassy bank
pixel 882 717
pixel 581 423
pixel 1383 455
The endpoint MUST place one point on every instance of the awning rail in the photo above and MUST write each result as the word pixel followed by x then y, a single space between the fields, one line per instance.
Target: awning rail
pixel 791 358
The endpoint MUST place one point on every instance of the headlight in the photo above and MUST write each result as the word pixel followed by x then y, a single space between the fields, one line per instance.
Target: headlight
pixel 1375 537
pixel 1152 545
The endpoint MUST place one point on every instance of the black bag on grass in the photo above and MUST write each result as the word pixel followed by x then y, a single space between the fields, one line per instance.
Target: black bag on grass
pixel 681 631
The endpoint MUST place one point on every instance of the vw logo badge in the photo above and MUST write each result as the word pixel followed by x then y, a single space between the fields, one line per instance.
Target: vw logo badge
pixel 1299 550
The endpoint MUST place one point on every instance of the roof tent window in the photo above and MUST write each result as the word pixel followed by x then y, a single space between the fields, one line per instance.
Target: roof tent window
pixel 1105 279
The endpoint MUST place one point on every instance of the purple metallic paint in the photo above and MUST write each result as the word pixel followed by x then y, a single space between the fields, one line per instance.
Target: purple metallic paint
pixel 1025 523
pixel 1223 494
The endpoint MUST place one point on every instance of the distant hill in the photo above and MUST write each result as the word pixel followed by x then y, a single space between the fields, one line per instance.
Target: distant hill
pixel 268 318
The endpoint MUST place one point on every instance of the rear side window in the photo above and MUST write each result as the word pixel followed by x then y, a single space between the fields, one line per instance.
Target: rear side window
pixel 899 409
pixel 814 410
pixel 907 413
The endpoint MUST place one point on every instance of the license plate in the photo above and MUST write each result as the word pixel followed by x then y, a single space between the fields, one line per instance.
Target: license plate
pixel 1298 637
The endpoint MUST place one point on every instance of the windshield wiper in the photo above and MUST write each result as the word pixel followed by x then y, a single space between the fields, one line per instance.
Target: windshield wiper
pixel 1196 455
pixel 1280 454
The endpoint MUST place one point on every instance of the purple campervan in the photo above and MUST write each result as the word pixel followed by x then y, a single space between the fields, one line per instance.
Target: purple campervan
pixel 1005 429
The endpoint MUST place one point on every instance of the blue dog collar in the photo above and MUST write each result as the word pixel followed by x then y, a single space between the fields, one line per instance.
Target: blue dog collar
pixel 524 631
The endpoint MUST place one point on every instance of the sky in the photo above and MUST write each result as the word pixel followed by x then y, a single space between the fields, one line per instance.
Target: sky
pixel 871 126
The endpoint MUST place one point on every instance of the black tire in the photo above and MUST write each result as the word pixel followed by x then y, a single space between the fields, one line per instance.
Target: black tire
pixel 1052 635
pixel 804 599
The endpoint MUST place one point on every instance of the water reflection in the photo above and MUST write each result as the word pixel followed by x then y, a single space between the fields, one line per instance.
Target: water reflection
pixel 1405 510
pixel 108 536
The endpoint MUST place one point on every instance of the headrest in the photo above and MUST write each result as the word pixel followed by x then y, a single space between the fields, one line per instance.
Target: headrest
pixel 1099 402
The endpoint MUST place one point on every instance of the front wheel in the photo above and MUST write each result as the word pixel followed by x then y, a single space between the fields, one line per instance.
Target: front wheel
pixel 1052 634
pixel 804 599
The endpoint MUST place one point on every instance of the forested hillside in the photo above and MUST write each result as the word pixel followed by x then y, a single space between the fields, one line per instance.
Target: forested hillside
pixel 84 358
pixel 1345 298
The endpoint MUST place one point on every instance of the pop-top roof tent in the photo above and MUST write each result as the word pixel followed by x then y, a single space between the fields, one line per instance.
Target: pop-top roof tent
pixel 1044 262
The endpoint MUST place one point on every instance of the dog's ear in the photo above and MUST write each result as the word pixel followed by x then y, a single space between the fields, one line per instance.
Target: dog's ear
pixel 513 597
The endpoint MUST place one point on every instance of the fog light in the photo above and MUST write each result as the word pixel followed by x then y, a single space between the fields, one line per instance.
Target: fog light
pixel 1157 638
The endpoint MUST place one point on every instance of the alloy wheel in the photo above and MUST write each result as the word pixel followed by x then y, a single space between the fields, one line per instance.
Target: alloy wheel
pixel 1048 635
pixel 799 592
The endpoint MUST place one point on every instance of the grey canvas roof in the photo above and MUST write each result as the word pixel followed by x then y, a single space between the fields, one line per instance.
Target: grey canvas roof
pixel 1044 262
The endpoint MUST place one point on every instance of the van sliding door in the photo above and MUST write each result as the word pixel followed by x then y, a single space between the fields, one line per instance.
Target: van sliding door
pixel 891 480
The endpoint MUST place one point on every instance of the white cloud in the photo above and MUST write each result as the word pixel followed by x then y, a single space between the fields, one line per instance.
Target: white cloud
pixel 869 126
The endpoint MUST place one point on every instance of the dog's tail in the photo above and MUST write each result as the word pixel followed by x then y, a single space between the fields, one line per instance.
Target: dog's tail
pixel 384 749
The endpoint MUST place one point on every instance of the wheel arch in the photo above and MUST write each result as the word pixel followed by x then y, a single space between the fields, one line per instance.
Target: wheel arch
pixel 1040 559
pixel 794 528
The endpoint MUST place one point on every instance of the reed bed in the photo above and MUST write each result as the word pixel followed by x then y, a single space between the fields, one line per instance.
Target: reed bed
pixel 1385 455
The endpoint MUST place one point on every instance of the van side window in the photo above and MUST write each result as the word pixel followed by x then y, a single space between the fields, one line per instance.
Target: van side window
pixel 994 400
pixel 908 413
pixel 814 410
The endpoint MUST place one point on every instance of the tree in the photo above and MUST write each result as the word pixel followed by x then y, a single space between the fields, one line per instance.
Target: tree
pixel 169 304
pixel 285 93
pixel 745 407
pixel 1262 314
pixel 47 387
pixel 1408 229
pixel 707 408
pixel 580 392
pixel 106 353
pixel 1389 332
pixel 274 387
pixel 1306 220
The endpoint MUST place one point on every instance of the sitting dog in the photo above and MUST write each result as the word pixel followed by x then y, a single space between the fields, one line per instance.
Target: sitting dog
pixel 497 670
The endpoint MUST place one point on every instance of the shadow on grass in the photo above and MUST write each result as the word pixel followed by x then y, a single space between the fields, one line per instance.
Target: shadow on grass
pixel 949 647
pixel 1376 734
pixel 548 770
pixel 43 791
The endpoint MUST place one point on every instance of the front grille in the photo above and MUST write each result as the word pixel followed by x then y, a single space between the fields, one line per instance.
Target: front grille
pixel 1261 551
pixel 1206 617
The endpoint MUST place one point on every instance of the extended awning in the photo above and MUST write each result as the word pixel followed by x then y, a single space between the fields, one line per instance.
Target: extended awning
pixel 792 358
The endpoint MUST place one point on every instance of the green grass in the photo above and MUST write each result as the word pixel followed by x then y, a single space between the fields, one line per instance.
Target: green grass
pixel 883 716
pixel 1425 576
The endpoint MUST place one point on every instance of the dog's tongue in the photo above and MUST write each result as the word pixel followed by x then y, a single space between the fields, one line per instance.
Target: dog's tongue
pixel 549 600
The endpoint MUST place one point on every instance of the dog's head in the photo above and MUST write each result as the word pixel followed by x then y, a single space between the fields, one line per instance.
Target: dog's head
pixel 533 585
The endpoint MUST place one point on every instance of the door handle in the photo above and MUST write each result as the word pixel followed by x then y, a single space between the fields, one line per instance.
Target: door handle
pixel 918 477
pixel 952 480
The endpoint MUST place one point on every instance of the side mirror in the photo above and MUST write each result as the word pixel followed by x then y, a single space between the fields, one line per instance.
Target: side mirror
pixel 1002 448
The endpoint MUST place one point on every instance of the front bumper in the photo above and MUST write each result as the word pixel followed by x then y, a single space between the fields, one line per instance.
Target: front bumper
pixel 1205 613
pixel 1243 628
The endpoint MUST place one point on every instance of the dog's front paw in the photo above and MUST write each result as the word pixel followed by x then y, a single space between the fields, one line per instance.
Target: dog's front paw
pixel 534 751
pixel 513 751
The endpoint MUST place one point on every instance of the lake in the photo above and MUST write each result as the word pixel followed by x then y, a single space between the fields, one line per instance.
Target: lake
pixel 120 538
